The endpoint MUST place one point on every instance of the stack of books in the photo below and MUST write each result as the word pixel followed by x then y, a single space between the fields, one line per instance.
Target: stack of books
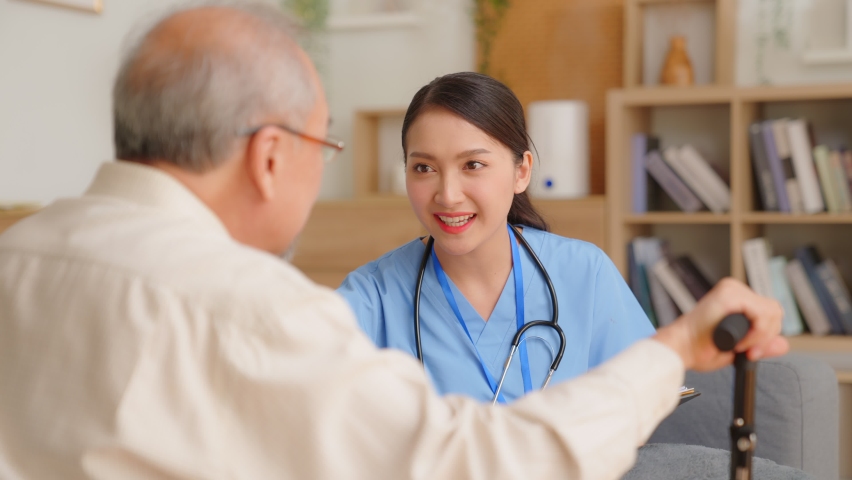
pixel 664 286
pixel 810 289
pixel 795 175
pixel 681 172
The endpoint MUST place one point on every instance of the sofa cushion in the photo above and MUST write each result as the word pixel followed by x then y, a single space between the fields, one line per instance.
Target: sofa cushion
pixel 690 462
pixel 796 414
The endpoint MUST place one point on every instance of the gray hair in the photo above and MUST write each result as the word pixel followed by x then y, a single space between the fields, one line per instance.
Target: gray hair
pixel 188 109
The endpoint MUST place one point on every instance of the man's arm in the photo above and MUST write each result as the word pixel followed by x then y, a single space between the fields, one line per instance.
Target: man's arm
pixel 307 395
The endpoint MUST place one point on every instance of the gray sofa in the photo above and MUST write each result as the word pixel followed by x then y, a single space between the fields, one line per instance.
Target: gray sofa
pixel 796 414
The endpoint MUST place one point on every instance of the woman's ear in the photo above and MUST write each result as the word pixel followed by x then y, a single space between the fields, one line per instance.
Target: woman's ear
pixel 263 159
pixel 523 173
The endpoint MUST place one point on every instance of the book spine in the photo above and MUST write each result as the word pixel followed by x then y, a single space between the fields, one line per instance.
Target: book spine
pixel 672 157
pixel 638 285
pixel 672 184
pixel 803 165
pixel 698 164
pixel 824 169
pixel 775 167
pixel 847 166
pixel 782 147
pixel 794 194
pixel 675 288
pixel 809 259
pixel 792 322
pixel 640 179
pixel 841 185
pixel 691 277
pixel 756 260
pixel 762 175
pixel 830 276
pixel 649 252
pixel 806 298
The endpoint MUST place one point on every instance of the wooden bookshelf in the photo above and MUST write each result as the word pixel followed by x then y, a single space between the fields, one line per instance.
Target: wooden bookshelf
pixel 716 240
pixel 725 13
pixel 637 110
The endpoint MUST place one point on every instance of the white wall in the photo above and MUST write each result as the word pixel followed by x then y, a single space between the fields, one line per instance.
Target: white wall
pixel 384 67
pixel 56 73
pixel 57 67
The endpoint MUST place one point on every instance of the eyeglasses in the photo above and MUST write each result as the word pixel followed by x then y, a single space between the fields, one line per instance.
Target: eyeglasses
pixel 330 146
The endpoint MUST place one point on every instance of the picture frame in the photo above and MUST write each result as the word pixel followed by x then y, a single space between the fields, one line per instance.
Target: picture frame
pixel 90 6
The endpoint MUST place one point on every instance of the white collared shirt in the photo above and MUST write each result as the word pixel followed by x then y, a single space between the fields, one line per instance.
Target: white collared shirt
pixel 139 340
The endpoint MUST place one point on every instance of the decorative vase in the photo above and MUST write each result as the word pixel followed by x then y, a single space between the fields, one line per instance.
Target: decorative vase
pixel 678 69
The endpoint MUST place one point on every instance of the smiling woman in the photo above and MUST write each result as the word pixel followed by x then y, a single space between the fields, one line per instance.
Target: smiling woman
pixel 468 164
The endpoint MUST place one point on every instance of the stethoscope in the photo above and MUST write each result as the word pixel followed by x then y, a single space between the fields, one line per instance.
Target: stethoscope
pixel 516 341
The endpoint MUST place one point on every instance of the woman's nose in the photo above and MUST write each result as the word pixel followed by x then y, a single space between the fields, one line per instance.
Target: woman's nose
pixel 449 191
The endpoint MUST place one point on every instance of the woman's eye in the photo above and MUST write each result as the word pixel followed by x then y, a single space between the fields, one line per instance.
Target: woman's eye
pixel 473 165
pixel 421 168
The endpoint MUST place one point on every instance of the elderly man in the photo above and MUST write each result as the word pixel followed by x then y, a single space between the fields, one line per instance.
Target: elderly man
pixel 148 329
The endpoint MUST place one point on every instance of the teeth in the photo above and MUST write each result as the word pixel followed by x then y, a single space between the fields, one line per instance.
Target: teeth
pixel 456 221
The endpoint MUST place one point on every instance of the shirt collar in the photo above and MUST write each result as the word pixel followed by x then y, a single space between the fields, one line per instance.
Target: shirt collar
pixel 152 187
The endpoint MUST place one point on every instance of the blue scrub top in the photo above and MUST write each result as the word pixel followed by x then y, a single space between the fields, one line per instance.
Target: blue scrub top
pixel 597 311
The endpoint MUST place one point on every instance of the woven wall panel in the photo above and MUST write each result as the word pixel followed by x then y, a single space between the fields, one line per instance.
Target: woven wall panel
pixel 564 49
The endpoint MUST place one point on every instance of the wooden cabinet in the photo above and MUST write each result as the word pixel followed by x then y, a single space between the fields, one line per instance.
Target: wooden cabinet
pixel 342 235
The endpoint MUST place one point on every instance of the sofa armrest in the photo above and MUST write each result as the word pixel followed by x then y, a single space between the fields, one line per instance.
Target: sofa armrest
pixel 796 414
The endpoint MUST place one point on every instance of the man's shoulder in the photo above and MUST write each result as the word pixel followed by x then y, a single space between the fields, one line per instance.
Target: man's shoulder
pixel 169 253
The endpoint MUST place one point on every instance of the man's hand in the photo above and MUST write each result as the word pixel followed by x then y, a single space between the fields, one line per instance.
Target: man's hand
pixel 691 336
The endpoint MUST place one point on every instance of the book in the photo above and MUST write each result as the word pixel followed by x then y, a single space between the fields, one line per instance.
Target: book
pixel 803 165
pixel 639 284
pixel 692 179
pixel 775 167
pixel 791 324
pixel 847 166
pixel 760 165
pixel 638 145
pixel 810 259
pixel 674 287
pixel 649 251
pixel 756 253
pixel 841 184
pixel 697 163
pixel 671 183
pixel 830 275
pixel 823 166
pixel 694 280
pixel 687 394
pixel 812 311
pixel 791 183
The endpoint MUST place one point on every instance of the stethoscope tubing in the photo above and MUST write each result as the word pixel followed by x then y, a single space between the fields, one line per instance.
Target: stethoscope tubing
pixel 516 340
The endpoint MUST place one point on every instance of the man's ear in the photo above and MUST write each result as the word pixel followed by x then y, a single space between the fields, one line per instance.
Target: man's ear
pixel 523 173
pixel 264 159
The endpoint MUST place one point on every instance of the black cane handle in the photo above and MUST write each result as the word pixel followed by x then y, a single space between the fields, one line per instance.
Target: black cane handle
pixel 730 331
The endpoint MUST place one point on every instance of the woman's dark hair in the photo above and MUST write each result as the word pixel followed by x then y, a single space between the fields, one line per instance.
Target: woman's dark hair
pixel 493 108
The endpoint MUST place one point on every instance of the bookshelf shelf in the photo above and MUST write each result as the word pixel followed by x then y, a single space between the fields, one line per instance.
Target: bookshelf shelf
pixel 770 218
pixel 677 218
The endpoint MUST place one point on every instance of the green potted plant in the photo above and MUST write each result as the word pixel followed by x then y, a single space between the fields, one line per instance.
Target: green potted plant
pixel 488 15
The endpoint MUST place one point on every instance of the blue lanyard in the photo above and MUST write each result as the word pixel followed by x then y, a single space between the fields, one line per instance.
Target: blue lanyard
pixel 519 314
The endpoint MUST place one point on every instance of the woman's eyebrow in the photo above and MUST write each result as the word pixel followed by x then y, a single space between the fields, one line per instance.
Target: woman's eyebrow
pixel 470 153
pixel 422 155
pixel 464 154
